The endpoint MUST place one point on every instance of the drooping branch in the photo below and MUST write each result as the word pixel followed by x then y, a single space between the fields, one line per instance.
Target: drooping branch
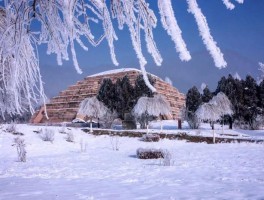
pixel 170 24
pixel 62 24
pixel 206 35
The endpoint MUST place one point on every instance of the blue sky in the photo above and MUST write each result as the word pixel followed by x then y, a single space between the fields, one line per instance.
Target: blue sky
pixel 239 33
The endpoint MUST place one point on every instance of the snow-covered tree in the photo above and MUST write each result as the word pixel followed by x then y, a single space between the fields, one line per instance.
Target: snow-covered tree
pixel 223 104
pixel 236 76
pixel 216 108
pixel 261 69
pixel 208 112
pixel 92 108
pixel 61 24
pixel 152 106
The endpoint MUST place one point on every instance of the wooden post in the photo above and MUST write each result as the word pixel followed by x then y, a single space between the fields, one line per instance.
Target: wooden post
pixel 213 136
pixel 91 125
pixel 179 124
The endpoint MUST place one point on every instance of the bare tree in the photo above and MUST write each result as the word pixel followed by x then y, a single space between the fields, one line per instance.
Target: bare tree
pixel 152 106
pixel 21 151
pixel 62 24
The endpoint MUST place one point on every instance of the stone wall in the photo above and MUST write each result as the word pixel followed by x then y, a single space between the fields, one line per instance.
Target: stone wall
pixel 64 107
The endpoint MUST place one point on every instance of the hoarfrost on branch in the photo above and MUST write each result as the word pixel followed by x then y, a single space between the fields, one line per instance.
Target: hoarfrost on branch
pixel 61 24
pixel 153 106
pixel 216 108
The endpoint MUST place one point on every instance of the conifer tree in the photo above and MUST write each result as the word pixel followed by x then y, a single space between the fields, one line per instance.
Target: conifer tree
pixel 207 95
pixel 250 106
pixel 106 93
pixel 261 96
pixel 193 101
pixel 141 89
pixel 124 96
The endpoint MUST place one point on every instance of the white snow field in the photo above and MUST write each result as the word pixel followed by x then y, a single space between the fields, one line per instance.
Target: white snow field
pixel 59 170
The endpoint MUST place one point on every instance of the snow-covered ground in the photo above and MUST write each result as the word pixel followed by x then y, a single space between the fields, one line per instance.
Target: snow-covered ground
pixel 59 170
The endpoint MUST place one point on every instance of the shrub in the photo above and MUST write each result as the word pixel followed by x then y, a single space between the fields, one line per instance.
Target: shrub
pixel 83 146
pixel 115 143
pixel 62 130
pixel 11 128
pixel 47 135
pixel 151 138
pixel 150 153
pixel 21 151
pixel 167 158
pixel 70 137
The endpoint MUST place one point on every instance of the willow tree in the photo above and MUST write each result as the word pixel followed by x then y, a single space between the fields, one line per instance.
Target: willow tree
pixel 152 106
pixel 92 108
pixel 216 108
pixel 61 24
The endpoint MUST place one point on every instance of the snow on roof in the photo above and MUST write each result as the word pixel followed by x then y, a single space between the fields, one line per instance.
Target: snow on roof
pixel 115 71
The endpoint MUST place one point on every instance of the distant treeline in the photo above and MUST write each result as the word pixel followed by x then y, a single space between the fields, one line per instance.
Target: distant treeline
pixel 246 96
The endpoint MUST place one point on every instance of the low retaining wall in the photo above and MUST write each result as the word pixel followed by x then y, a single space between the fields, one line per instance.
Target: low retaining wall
pixel 176 136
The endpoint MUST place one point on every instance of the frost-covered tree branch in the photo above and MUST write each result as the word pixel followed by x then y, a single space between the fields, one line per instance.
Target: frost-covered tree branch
pixel 261 69
pixel 63 24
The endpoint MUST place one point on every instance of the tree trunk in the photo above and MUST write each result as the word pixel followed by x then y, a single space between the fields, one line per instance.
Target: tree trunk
pixel 212 125
pixel 230 123
pixel 213 136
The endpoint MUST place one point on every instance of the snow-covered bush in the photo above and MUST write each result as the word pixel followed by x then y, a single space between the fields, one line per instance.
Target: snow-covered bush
pixel 193 121
pixel 83 146
pixel 21 151
pixel 115 142
pixel 167 158
pixel 62 130
pixel 258 123
pixel 151 138
pixel 47 135
pixel 198 132
pixel 11 128
pixel 70 137
pixel 146 153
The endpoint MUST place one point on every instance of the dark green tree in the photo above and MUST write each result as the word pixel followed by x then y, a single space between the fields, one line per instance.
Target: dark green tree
pixel 207 95
pixel 125 99
pixel 141 89
pixel 193 101
pixel 121 96
pixel 106 93
pixel 261 97
pixel 250 108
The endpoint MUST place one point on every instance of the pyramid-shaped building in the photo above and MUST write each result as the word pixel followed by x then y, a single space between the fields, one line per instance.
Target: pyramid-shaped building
pixel 64 107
